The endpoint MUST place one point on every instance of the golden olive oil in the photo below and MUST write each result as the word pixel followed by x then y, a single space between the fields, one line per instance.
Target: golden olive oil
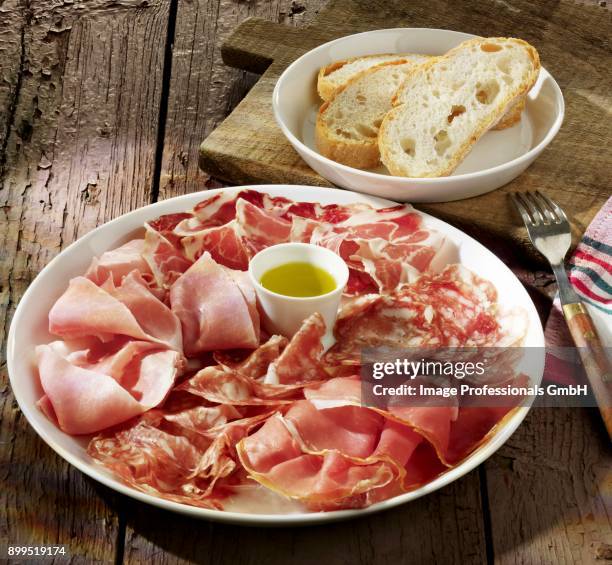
pixel 299 279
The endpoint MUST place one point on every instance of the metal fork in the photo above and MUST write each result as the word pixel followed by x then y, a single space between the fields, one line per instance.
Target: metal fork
pixel 549 231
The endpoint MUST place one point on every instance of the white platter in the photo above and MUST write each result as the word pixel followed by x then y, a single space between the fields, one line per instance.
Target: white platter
pixel 497 158
pixel 29 328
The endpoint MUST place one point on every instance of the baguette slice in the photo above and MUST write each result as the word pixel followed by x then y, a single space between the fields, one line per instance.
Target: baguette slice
pixel 336 75
pixel 448 103
pixel 347 125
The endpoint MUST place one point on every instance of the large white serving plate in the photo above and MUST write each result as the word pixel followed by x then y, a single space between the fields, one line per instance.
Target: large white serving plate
pixel 29 328
pixel 496 159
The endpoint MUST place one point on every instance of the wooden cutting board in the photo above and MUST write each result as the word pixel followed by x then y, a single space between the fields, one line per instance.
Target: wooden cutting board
pixel 573 42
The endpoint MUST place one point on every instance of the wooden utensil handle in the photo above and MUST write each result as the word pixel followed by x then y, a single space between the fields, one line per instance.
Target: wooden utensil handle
pixel 594 358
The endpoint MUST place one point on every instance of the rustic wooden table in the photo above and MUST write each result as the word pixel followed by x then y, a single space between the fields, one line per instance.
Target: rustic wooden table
pixel 103 104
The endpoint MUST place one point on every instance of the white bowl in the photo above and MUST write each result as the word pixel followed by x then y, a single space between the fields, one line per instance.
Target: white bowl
pixel 285 314
pixel 30 323
pixel 497 158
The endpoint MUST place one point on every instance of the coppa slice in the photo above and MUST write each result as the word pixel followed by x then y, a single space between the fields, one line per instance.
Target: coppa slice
pixel 448 103
pixel 347 125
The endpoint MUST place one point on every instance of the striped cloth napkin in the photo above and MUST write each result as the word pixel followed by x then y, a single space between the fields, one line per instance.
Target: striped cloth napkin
pixel 590 272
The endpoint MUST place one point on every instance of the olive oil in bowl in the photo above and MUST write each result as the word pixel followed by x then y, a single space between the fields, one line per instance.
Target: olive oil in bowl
pixel 298 279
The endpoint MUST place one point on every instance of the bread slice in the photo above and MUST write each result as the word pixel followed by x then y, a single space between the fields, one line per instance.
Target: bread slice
pixel 512 116
pixel 336 75
pixel 347 125
pixel 448 103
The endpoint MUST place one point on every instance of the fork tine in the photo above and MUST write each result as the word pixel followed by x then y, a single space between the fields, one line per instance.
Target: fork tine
pixel 534 207
pixel 557 209
pixel 532 211
pixel 521 209
pixel 545 207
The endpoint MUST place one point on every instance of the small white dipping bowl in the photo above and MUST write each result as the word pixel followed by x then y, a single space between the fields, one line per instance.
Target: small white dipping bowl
pixel 284 314
pixel 497 158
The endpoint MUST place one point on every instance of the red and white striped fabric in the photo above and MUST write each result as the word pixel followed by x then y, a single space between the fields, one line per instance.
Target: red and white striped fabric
pixel 590 272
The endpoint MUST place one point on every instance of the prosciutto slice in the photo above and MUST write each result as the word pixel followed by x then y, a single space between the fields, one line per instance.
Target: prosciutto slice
pixel 165 260
pixel 343 456
pixel 86 400
pixel 278 458
pixel 261 227
pixel 452 432
pixel 223 243
pixel 152 315
pixel 216 308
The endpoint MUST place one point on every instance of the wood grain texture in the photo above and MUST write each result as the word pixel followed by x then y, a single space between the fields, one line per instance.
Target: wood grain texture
pixel 202 89
pixel 12 23
pixel 550 490
pixel 248 146
pixel 79 151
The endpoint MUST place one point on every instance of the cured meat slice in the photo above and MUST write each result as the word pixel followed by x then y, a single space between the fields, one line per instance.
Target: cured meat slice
pixel 243 282
pixel 119 262
pixel 153 316
pixel 222 242
pixel 165 260
pixel 84 401
pixel 220 208
pixel 349 429
pixel 167 223
pixel 185 469
pixel 88 310
pixel 430 422
pixel 199 419
pixel 256 364
pixel 405 218
pixel 388 263
pixel 260 227
pixel 324 479
pixel 451 308
pixel 302 229
pixel 301 359
pixel 396 263
pixel 338 440
pixel 223 386
pixel 214 310
pixel 452 432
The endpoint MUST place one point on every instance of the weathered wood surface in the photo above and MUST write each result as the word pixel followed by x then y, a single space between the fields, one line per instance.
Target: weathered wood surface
pixel 549 490
pixel 77 150
pixel 82 88
pixel 203 90
pixel 249 147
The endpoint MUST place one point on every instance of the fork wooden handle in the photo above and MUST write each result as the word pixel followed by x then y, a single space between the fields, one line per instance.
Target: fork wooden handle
pixel 594 358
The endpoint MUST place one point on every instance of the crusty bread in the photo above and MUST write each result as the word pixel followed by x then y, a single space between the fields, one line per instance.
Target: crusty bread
pixel 337 74
pixel 448 103
pixel 347 125
pixel 512 116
